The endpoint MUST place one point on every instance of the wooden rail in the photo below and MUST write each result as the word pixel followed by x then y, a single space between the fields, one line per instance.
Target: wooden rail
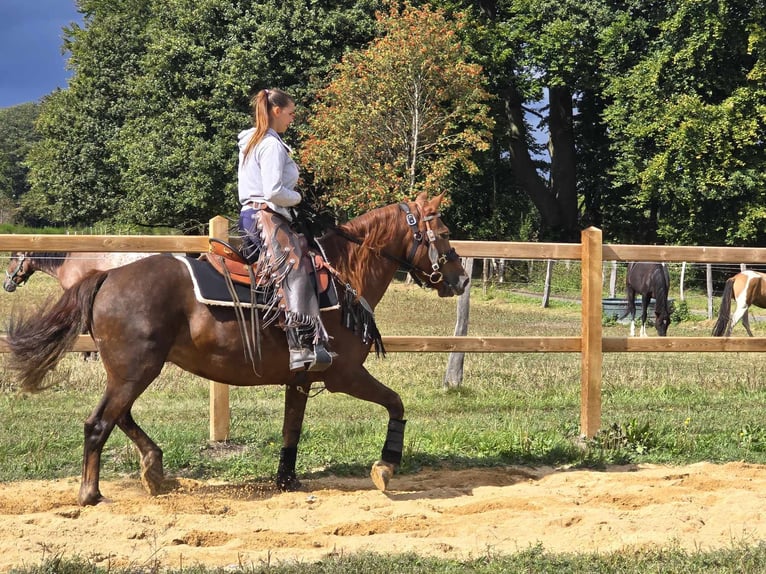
pixel 591 344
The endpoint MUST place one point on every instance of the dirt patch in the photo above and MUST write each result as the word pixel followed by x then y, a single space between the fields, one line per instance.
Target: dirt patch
pixel 453 514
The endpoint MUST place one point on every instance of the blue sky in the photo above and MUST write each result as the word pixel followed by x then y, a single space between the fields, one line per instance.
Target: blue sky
pixel 31 62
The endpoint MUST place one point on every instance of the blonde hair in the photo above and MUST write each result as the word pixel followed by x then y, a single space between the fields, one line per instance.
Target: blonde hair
pixel 261 104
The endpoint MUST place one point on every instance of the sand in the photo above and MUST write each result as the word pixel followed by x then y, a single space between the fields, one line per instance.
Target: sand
pixel 459 514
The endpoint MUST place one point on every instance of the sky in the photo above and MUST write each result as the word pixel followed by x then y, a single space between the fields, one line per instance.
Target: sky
pixel 31 38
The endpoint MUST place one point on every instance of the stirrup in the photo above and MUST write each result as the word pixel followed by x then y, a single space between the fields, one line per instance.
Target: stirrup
pixel 307 360
pixel 322 359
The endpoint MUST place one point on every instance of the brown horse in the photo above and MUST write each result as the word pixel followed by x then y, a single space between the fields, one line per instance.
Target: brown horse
pixel 66 268
pixel 746 288
pixel 145 313
pixel 650 280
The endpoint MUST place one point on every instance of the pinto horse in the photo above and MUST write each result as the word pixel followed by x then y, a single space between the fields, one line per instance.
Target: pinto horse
pixel 650 280
pixel 746 288
pixel 66 268
pixel 145 313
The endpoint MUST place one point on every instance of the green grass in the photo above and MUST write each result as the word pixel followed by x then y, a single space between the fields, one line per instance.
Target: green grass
pixel 672 408
pixel 735 560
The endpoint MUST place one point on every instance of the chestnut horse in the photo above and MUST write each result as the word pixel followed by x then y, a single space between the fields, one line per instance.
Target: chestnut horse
pixel 145 313
pixel 746 288
pixel 651 280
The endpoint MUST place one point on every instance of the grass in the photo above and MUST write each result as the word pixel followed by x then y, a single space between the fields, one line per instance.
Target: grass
pixel 671 408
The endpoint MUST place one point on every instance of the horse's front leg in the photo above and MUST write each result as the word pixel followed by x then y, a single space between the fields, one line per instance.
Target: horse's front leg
pixel 631 301
pixel 645 300
pixel 364 386
pixel 296 397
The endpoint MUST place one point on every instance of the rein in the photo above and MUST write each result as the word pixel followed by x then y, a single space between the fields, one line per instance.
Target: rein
pixel 419 239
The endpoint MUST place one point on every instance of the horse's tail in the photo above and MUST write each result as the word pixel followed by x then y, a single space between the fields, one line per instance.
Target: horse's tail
pixel 725 311
pixel 37 343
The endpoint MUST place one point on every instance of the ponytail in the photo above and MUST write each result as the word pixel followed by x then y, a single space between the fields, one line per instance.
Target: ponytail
pixel 261 104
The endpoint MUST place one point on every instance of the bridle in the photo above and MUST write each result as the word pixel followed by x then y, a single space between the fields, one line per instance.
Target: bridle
pixel 17 272
pixel 420 239
pixel 438 260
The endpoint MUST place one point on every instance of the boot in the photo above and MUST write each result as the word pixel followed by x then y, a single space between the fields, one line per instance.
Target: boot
pixel 304 356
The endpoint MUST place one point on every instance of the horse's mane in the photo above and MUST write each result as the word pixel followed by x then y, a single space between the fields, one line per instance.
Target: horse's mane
pixel 376 230
pixel 50 260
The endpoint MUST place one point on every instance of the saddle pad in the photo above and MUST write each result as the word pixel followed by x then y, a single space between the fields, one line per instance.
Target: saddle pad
pixel 210 287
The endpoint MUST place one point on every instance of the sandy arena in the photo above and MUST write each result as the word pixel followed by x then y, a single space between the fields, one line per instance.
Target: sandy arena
pixel 456 514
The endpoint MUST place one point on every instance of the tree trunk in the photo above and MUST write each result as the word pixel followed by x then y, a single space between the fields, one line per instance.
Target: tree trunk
pixel 557 201
pixel 453 377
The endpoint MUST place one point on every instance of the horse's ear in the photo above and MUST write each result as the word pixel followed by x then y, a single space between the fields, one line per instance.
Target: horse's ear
pixel 421 198
pixel 438 200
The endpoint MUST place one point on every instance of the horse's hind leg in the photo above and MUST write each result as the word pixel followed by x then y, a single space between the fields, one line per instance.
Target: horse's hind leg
pixel 740 314
pixel 364 386
pixel 152 474
pixel 746 323
pixel 296 397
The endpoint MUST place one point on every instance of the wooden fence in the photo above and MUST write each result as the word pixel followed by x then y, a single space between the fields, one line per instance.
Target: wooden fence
pixel 591 344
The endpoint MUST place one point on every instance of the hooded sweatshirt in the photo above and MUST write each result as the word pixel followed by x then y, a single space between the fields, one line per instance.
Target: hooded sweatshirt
pixel 268 175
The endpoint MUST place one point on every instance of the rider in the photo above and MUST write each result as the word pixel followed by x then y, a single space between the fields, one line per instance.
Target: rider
pixel 267 176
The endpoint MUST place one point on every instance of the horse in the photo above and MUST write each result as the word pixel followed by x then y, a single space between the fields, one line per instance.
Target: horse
pixel 746 288
pixel 67 268
pixel 651 280
pixel 146 313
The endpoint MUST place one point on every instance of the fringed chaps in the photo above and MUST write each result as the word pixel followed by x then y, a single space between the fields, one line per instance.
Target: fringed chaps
pixel 284 259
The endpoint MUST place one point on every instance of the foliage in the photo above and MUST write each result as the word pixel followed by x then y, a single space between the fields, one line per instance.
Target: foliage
pixel 401 116
pixel 689 121
pixel 146 132
pixel 17 134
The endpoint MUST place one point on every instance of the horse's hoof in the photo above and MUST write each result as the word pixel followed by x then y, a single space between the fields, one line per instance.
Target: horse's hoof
pixel 91 499
pixel 381 473
pixel 152 478
pixel 289 483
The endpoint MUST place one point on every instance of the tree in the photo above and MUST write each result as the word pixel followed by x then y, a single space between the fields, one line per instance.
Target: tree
pixel 146 132
pixel 688 121
pixel 73 178
pixel 543 64
pixel 401 116
pixel 17 134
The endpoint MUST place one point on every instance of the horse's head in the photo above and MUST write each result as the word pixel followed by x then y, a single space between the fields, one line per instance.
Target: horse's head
pixel 434 262
pixel 18 271
pixel 662 319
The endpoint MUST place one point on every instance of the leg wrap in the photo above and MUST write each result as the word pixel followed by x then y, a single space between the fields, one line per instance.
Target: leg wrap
pixel 392 449
pixel 286 469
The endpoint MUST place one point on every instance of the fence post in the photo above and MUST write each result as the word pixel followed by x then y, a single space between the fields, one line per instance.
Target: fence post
pixel 219 392
pixel 590 384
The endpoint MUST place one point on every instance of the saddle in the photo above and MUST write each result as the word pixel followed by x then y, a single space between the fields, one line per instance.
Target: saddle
pixel 227 259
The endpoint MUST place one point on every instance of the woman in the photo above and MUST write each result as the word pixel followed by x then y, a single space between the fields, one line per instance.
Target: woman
pixel 267 178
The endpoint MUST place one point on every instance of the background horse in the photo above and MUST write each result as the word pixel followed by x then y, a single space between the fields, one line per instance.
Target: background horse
pixel 746 288
pixel 651 280
pixel 145 313
pixel 66 268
